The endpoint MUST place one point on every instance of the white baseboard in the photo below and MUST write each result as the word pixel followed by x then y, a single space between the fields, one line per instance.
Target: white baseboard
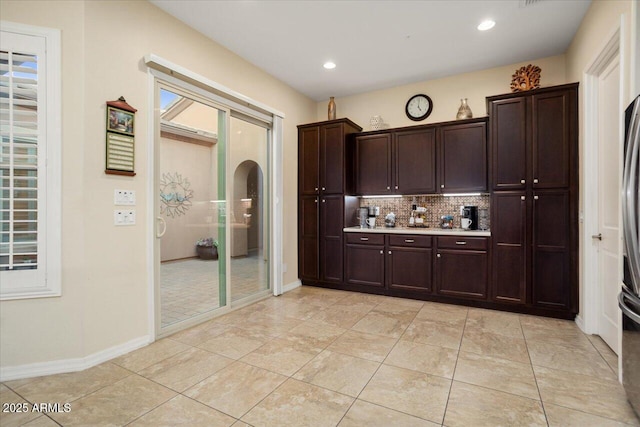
pixel 580 323
pixel 291 286
pixel 8 373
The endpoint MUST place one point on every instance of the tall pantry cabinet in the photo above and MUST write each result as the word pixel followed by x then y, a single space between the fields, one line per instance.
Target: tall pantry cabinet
pixel 323 187
pixel 534 218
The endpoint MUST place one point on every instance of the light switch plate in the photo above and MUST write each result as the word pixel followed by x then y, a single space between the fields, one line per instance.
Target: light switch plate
pixel 124 197
pixel 124 217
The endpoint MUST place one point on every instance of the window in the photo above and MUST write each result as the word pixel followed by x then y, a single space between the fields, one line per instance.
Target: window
pixel 30 149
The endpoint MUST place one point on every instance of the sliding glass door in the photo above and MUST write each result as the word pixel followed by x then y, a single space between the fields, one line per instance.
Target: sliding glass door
pixel 191 208
pixel 249 197
pixel 212 204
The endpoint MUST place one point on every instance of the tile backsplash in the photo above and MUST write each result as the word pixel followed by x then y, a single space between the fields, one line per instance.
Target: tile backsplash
pixel 437 206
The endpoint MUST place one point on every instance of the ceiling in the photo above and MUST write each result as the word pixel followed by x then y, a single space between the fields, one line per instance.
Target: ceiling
pixel 380 44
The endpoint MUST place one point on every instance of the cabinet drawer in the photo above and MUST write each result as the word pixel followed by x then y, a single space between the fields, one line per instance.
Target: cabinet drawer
pixel 365 238
pixel 460 242
pixel 410 240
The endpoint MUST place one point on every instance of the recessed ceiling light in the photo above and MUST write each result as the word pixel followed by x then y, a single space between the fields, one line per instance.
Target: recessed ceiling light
pixel 486 25
pixel 329 65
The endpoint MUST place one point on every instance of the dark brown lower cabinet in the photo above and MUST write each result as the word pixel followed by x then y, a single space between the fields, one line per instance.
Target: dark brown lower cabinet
pixel 532 249
pixel 551 278
pixel 364 259
pixel 462 267
pixel 408 263
pixel 509 252
pixel 331 244
pixel 308 246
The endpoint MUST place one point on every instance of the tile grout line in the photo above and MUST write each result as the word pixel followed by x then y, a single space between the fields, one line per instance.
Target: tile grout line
pixel 453 375
pixel 535 378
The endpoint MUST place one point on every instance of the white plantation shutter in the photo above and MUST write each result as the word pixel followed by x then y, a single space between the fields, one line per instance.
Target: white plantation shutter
pixel 29 152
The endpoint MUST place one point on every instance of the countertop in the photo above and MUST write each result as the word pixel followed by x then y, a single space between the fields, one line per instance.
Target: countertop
pixel 419 230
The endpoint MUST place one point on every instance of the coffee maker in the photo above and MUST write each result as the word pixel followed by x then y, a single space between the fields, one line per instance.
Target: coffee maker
pixel 470 217
pixel 374 211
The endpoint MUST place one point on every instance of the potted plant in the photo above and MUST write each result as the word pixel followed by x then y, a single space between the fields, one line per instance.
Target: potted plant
pixel 207 248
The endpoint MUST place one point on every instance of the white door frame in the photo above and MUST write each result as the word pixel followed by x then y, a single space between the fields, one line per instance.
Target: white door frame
pixel 613 46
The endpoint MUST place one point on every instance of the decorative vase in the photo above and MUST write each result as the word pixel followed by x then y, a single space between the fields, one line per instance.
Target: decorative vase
pixel 376 122
pixel 464 112
pixel 332 109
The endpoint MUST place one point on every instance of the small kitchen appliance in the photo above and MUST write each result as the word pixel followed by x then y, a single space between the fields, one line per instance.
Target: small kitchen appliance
pixel 363 214
pixel 469 217
pixel 374 211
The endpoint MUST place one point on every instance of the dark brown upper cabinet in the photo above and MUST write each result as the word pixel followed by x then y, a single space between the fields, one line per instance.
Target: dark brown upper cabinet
pixel 414 166
pixel 322 157
pixel 373 164
pixel 412 160
pixel 463 157
pixel 509 143
pixel 530 139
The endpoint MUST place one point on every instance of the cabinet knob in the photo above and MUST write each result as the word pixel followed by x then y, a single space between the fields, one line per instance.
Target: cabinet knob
pixel 535 197
pixel 389 252
pixel 522 197
pixel 381 252
pixel 438 255
pixel 315 201
pixel 396 187
pixel 316 188
pixel 323 188
pixel 323 200
pixel 522 181
pixel 441 185
pixel 388 188
pixel 535 181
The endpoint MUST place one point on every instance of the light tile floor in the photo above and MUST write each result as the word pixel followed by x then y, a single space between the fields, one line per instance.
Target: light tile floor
pixel 316 357
pixel 191 287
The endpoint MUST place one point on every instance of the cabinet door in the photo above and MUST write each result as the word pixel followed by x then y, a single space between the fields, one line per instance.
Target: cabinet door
pixel 364 265
pixel 373 164
pixel 551 278
pixel 508 143
pixel 409 269
pixel 332 158
pixel 308 238
pixel 415 162
pixel 331 244
pixel 309 160
pixel 462 273
pixel 551 133
pixel 509 254
pixel 463 158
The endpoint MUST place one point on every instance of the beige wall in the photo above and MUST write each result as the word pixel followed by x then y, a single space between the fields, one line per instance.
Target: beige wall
pixel 445 94
pixel 104 272
pixel 198 165
pixel 598 25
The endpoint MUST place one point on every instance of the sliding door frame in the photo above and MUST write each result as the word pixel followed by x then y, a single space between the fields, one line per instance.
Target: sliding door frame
pixel 220 97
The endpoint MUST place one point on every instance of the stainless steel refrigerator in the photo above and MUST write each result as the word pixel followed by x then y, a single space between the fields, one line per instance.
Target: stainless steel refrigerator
pixel 629 298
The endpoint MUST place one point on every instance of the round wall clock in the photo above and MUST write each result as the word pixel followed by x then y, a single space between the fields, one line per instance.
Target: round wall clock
pixel 419 107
